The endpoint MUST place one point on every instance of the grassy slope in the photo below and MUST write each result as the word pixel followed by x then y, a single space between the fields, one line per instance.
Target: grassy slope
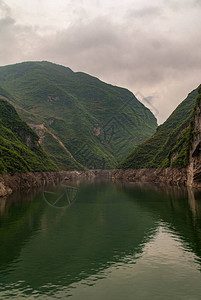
pixel 59 155
pixel 19 149
pixel 72 106
pixel 169 146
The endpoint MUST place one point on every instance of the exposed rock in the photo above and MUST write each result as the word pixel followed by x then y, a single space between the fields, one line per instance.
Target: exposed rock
pixel 41 129
pixel 18 181
pixel 4 190
pixel 175 176
pixel 194 169
pixel 24 181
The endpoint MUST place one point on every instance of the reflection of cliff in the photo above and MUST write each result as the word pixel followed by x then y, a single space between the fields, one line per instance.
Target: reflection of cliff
pixel 179 208
pixel 194 200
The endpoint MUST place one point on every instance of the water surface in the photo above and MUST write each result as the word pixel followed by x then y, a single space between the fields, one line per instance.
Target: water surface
pixel 101 241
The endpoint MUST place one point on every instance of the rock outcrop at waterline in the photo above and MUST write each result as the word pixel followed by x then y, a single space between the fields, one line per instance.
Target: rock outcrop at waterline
pixel 10 183
pixel 18 181
pixel 174 176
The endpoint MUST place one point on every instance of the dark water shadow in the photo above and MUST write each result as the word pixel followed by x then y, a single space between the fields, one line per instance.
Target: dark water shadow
pixel 106 225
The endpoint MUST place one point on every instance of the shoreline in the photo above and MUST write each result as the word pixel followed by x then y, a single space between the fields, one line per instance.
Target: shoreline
pixel 10 183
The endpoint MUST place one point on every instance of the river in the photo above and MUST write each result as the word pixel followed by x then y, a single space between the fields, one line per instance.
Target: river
pixel 101 241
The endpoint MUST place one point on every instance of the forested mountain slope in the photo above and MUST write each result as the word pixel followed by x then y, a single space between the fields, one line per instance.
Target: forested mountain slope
pixel 170 145
pixel 96 123
pixel 19 147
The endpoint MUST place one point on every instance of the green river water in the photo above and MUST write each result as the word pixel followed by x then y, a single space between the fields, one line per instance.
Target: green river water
pixel 101 241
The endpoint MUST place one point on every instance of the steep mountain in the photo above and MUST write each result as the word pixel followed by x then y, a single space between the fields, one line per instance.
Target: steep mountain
pixel 170 145
pixel 75 114
pixel 19 147
pixel 194 169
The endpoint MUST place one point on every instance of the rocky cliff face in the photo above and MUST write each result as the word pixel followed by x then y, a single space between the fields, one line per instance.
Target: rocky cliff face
pixel 194 169
pixel 10 183
pixel 174 176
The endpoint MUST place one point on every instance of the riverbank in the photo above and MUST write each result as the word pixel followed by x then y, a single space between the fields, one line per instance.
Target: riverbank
pixel 172 176
pixel 10 183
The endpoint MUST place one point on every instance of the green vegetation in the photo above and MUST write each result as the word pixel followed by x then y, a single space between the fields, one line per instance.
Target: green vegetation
pixel 59 155
pixel 84 123
pixel 99 124
pixel 19 148
pixel 170 145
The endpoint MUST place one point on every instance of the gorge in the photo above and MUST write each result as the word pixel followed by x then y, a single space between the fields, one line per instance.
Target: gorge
pixel 68 124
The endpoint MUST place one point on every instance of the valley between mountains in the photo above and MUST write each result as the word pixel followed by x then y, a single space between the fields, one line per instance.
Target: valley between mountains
pixel 53 119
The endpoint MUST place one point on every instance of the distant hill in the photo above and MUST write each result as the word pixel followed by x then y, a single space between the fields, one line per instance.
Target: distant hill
pixel 76 115
pixel 170 145
pixel 19 147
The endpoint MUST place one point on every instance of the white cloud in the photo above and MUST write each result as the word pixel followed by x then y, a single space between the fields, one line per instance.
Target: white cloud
pixel 152 49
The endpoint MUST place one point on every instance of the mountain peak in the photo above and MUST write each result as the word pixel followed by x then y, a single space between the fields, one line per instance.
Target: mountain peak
pixel 74 107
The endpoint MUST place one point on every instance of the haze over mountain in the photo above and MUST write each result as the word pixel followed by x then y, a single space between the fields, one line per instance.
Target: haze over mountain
pixel 78 117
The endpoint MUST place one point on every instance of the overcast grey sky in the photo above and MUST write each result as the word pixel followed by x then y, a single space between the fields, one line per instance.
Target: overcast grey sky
pixel 152 49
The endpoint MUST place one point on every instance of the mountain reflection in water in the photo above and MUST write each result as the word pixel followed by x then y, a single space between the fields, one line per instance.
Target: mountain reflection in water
pixel 101 240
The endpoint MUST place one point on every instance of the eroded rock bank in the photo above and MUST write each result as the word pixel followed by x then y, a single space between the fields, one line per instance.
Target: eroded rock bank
pixel 10 183
pixel 174 176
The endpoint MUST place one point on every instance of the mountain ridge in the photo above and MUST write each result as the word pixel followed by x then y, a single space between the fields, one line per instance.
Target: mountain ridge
pixel 97 122
pixel 170 145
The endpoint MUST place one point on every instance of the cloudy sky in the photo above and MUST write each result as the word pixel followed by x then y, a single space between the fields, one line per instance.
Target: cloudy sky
pixel 152 48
